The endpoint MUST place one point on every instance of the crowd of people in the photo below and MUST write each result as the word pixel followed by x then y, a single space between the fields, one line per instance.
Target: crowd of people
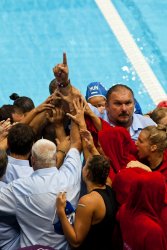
pixel 83 172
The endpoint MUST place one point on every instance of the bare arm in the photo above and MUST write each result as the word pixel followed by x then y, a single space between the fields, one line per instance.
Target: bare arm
pixel 138 164
pixel 95 119
pixel 39 121
pixel 62 149
pixel 58 116
pixel 46 105
pixel 75 235
pixel 75 137
pixel 78 120
pixel 89 148
pixel 78 113
pixel 4 144
pixel 87 140
pixel 62 141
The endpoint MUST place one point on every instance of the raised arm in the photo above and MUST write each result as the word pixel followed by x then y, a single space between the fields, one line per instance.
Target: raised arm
pixel 38 123
pixel 95 119
pixel 46 105
pixel 77 113
pixel 89 148
pixel 62 141
pixel 62 149
pixel 87 140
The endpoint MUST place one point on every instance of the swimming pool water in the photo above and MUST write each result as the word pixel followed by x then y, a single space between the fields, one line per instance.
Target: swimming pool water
pixel 35 33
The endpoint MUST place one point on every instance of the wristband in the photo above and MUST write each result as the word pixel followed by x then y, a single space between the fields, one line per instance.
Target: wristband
pixel 59 150
pixel 63 85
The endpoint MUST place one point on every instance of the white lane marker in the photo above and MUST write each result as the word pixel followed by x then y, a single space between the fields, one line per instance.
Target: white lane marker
pixel 132 51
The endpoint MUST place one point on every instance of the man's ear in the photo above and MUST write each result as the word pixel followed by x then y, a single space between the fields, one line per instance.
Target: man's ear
pixel 153 148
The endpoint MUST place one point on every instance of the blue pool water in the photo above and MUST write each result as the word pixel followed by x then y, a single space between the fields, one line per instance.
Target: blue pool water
pixel 35 33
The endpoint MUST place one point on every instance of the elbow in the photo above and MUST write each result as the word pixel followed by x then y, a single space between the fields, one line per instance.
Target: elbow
pixel 75 243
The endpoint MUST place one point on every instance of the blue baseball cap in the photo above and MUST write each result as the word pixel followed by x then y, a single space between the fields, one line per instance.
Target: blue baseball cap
pixel 95 89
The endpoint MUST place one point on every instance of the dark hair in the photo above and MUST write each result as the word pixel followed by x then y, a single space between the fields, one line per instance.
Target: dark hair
pixel 20 139
pixel 25 103
pixel 6 112
pixel 14 96
pixel 3 162
pixel 52 86
pixel 116 88
pixel 99 167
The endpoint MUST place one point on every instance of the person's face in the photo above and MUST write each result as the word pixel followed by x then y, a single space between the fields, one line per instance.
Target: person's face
pixel 143 145
pixel 99 102
pixel 120 107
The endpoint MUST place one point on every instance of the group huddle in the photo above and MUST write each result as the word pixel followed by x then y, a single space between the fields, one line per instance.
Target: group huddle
pixel 83 172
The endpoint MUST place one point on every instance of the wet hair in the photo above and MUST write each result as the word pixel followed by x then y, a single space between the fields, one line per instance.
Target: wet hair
pixel 116 88
pixel 6 112
pixel 25 103
pixel 99 167
pixel 3 162
pixel 52 86
pixel 157 136
pixel 20 139
pixel 158 114
pixel 14 96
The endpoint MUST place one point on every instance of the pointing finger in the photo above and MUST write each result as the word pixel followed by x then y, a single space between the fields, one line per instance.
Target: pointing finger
pixel 64 58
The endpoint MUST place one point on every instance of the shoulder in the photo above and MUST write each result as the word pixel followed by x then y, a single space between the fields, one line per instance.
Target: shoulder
pixel 2 184
pixel 86 205
pixel 155 233
pixel 144 120
pixel 89 200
